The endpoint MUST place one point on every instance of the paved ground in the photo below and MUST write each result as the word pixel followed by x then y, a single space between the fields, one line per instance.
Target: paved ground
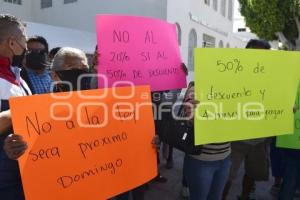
pixel 171 189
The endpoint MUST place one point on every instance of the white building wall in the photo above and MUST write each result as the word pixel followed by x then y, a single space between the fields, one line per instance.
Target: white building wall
pixel 81 14
pixel 209 22
pixel 239 21
pixel 195 14
pixel 189 14
pixel 23 11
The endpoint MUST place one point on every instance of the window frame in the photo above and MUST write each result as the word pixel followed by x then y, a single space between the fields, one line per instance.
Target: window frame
pixel 70 1
pixel 15 2
pixel 45 4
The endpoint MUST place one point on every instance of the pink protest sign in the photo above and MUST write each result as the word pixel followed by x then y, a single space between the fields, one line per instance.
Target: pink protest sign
pixel 139 50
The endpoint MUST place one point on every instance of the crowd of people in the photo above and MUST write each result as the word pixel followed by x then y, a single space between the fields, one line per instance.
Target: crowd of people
pixel 27 67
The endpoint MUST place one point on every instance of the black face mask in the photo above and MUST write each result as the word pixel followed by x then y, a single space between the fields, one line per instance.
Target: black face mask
pixel 18 59
pixel 72 76
pixel 36 60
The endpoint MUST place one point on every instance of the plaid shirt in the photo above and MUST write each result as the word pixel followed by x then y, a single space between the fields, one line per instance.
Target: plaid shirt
pixel 41 83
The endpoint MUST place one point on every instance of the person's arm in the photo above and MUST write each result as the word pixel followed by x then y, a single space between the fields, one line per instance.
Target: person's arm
pixel 5 121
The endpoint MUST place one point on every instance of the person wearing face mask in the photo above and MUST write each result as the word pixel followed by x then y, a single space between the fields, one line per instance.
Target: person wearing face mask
pixel 68 65
pixel 12 51
pixel 35 72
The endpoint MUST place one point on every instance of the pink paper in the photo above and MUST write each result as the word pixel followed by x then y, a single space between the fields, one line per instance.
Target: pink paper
pixel 143 51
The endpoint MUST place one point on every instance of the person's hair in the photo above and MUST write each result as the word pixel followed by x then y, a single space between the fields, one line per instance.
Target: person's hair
pixel 9 26
pixel 39 39
pixel 181 110
pixel 255 43
pixel 54 51
pixel 191 84
pixel 68 52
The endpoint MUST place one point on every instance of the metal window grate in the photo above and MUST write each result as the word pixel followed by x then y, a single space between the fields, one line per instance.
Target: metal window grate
pixel 18 2
pixel 230 10
pixel 223 7
pixel 46 3
pixel 207 2
pixel 215 5
pixel 209 41
pixel 69 1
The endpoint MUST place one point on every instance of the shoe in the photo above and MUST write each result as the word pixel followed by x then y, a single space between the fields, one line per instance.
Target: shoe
pixel 275 189
pixel 160 179
pixel 170 164
pixel 185 192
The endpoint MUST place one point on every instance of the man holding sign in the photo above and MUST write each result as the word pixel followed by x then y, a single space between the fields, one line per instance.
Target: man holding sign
pixel 12 51
pixel 49 141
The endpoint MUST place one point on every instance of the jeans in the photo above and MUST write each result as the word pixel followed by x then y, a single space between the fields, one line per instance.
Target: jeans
pixel 12 193
pixel 291 178
pixel 277 163
pixel 206 179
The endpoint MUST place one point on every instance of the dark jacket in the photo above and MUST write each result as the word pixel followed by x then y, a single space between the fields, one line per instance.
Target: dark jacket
pixel 10 86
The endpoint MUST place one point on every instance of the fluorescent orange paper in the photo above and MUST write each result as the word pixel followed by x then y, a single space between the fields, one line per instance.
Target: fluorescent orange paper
pixel 89 146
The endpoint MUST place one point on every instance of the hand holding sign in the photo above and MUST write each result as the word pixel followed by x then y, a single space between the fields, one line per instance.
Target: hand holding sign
pixel 14 146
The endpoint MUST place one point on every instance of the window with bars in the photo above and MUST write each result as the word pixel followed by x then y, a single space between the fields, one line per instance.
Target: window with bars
pixel 207 2
pixel 223 7
pixel 209 41
pixel 221 45
pixel 192 44
pixel 242 29
pixel 18 2
pixel 230 10
pixel 69 1
pixel 46 3
pixel 215 5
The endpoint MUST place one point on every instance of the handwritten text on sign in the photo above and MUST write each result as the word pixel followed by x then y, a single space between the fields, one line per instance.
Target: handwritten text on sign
pixel 140 50
pixel 85 146
pixel 244 94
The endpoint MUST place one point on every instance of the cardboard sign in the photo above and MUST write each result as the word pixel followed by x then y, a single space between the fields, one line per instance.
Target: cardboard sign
pixel 138 50
pixel 244 94
pixel 85 145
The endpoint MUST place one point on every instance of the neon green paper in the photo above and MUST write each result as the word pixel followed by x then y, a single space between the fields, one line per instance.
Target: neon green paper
pixel 292 141
pixel 260 88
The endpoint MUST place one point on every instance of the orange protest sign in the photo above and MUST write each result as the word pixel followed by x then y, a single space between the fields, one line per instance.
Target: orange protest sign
pixel 89 145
